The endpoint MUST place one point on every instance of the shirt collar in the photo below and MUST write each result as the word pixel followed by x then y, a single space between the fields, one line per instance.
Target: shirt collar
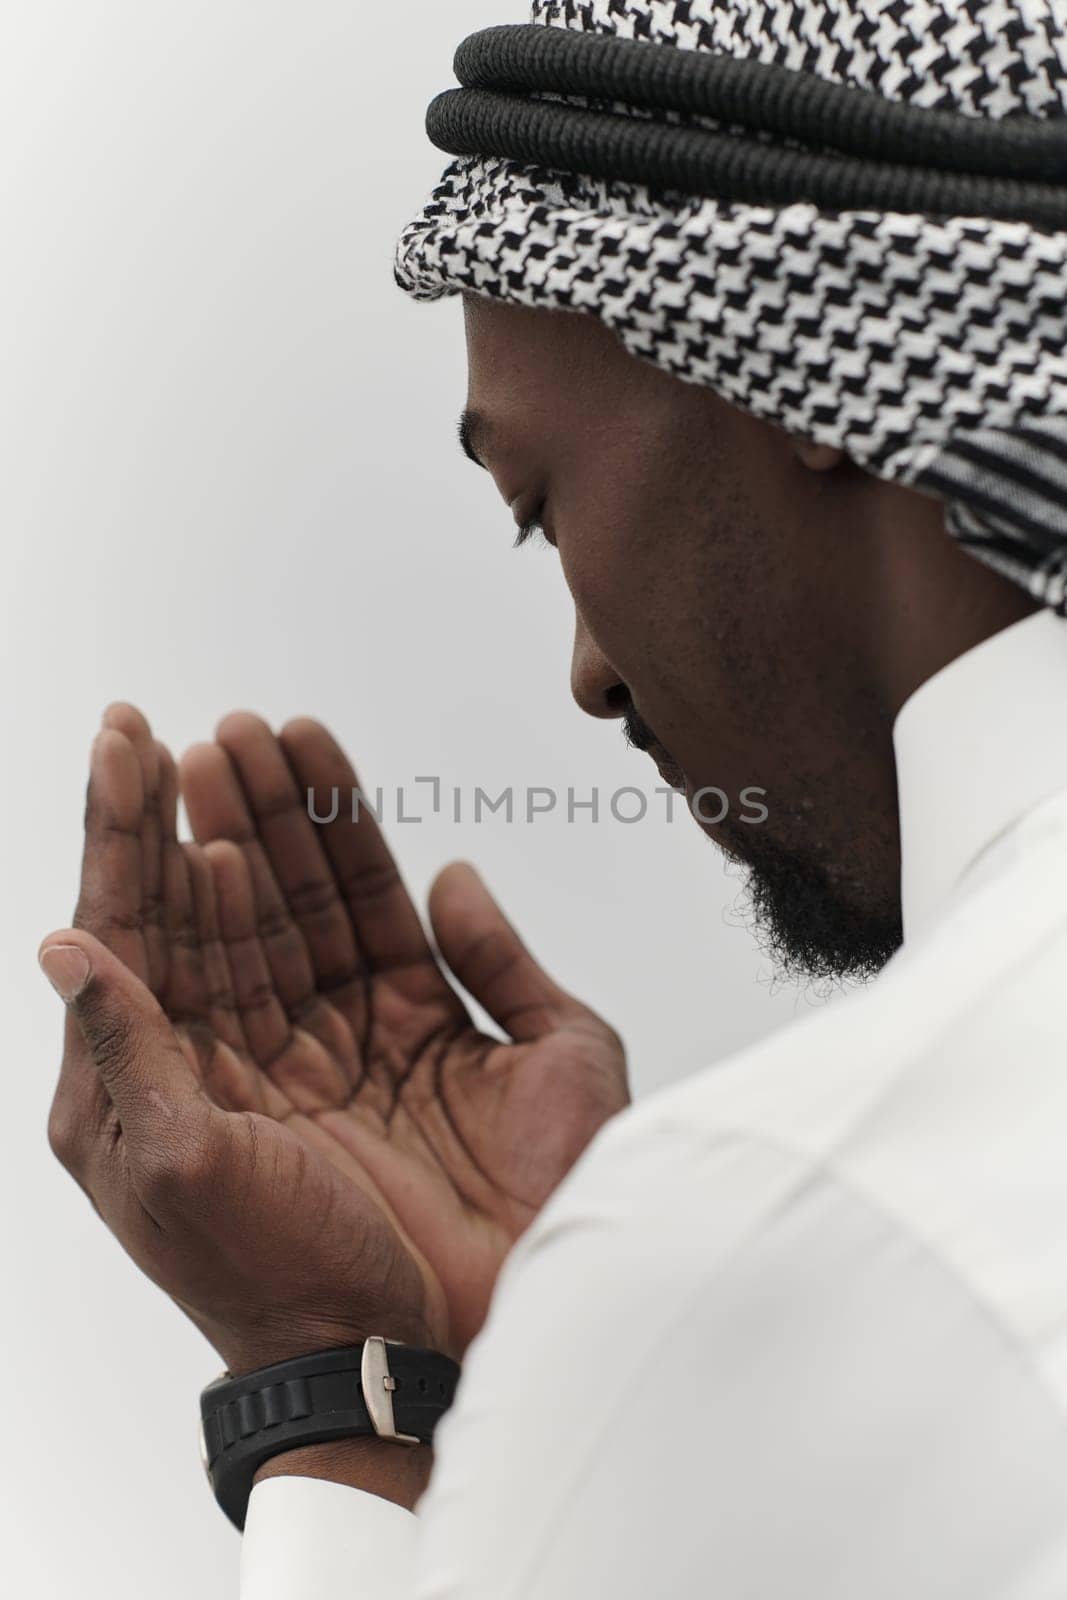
pixel 978 745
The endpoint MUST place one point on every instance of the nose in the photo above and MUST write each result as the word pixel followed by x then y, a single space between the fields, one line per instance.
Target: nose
pixel 595 684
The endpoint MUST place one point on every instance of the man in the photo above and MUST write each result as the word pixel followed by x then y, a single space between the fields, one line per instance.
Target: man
pixel 794 1327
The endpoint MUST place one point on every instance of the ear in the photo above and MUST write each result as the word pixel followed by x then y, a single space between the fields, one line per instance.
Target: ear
pixel 816 457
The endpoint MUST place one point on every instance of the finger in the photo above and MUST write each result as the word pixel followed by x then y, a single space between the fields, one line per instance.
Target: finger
pixel 129 1040
pixel 160 867
pixel 491 961
pixel 111 895
pixel 233 1079
pixel 387 927
pixel 275 808
pixel 307 1062
pixel 262 1016
pixel 133 725
pixel 111 904
pixel 158 788
pixel 185 996
pixel 218 999
pixel 218 809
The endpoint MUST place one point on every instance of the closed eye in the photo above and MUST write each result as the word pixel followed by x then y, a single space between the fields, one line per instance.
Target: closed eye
pixel 533 529
pixel 529 531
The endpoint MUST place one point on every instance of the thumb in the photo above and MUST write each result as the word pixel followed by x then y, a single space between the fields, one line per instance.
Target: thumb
pixel 127 1034
pixel 491 961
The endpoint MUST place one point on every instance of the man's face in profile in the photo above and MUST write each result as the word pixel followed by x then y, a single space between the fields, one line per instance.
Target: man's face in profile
pixel 724 612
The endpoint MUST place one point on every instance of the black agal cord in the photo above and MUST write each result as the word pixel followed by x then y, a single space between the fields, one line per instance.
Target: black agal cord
pixel 863 152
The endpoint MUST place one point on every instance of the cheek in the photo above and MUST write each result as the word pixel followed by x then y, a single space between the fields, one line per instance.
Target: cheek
pixel 609 592
pixel 628 564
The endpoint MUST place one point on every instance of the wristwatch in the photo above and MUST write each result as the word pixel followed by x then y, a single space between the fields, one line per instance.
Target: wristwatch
pixel 383 1388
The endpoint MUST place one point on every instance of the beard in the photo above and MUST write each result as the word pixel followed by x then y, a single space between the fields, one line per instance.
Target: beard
pixel 814 921
pixel 811 921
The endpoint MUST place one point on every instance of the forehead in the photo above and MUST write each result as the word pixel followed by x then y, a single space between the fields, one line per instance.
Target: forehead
pixel 560 370
pixel 561 346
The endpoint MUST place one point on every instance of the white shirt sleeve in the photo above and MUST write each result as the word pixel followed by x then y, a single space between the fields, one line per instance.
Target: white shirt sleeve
pixel 306 1539
pixel 712 1369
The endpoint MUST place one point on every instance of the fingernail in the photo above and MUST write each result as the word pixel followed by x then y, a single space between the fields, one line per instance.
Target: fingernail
pixel 67 969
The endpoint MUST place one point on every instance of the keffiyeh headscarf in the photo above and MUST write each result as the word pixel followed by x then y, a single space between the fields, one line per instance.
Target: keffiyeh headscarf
pixel 848 217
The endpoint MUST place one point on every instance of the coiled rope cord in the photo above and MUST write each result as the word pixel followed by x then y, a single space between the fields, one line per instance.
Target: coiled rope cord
pixel 883 155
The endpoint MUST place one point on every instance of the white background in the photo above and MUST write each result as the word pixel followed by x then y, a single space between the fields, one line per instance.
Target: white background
pixel 229 477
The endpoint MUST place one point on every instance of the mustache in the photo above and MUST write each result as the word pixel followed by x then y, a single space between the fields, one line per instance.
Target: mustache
pixel 636 731
pixel 639 736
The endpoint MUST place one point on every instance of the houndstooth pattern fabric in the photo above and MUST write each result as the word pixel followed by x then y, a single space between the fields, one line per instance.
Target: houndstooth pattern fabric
pixel 985 59
pixel 933 351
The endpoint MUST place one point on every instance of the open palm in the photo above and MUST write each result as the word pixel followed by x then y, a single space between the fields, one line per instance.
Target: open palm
pixel 295 968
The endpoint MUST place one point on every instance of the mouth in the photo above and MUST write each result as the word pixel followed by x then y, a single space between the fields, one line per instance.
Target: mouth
pixel 668 768
pixel 639 736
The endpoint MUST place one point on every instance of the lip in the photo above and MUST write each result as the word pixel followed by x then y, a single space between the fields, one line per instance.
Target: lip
pixel 669 771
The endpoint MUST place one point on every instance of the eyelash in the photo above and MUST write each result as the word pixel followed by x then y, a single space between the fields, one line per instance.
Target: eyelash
pixel 531 530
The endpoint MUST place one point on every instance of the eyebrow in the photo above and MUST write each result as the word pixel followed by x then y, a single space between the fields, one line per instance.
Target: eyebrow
pixel 471 425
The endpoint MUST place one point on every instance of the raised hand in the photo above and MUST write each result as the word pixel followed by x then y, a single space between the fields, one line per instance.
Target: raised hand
pixel 270 1249
pixel 270 1090
pixel 350 1016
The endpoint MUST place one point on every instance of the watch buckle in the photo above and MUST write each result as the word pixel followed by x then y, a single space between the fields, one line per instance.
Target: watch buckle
pixel 378 1386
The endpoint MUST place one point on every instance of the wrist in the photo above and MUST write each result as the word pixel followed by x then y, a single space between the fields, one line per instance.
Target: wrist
pixel 359 1415
pixel 396 1472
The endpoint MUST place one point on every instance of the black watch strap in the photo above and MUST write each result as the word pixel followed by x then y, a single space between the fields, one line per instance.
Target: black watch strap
pixel 395 1391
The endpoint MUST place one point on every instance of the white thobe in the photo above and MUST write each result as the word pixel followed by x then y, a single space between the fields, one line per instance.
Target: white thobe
pixel 796 1327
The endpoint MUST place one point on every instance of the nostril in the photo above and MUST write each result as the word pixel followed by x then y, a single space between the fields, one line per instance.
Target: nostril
pixel 594 682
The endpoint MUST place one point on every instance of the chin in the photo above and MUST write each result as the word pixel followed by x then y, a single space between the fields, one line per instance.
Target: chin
pixel 816 921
